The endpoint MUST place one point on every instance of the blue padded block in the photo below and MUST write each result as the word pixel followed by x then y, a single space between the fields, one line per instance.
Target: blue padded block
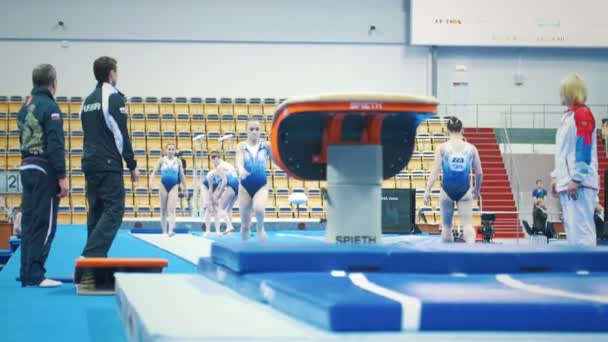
pixel 349 309
pixel 481 258
pixel 448 303
pixel 14 244
pixel 158 231
pixel 263 256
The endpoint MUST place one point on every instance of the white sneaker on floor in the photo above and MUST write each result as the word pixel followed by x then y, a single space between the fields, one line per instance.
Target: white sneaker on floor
pixel 50 283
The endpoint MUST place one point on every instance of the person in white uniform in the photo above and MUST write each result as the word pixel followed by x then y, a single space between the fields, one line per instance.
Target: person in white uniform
pixel 456 158
pixel 575 178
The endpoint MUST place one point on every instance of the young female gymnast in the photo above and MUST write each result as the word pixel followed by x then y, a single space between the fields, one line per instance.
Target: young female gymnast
pixel 575 177
pixel 224 194
pixel 251 160
pixel 456 158
pixel 209 195
pixel 172 173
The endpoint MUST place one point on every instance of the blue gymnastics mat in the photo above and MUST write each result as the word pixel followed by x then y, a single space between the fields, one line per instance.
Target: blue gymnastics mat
pixel 341 301
pixel 449 258
pixel 158 231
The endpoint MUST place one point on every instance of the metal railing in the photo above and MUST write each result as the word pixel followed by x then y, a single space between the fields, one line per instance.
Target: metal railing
pixel 513 115
pixel 512 172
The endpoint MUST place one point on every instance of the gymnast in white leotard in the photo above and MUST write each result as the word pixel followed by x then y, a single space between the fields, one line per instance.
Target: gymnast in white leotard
pixel 456 158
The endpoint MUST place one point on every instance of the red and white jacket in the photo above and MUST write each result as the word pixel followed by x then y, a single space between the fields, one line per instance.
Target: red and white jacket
pixel 576 150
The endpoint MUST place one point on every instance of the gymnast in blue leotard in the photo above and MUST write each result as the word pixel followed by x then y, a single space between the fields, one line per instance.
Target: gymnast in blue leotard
pixel 171 174
pixel 222 191
pixel 456 158
pixel 251 160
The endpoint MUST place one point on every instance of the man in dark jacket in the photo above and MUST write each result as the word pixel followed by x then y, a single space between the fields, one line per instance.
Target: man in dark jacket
pixel 106 144
pixel 42 173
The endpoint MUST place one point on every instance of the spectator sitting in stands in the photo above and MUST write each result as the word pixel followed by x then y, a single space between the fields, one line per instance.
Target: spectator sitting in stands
pixel 598 219
pixel 539 192
pixel 539 216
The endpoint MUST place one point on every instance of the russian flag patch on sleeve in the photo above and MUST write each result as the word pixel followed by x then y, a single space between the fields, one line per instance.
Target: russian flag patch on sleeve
pixel 55 116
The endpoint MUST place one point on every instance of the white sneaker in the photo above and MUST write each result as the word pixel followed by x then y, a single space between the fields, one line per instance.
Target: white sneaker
pixel 49 283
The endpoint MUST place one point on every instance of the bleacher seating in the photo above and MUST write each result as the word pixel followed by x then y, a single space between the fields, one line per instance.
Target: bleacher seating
pixel 155 122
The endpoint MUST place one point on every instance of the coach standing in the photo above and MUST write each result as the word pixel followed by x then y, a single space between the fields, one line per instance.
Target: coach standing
pixel 106 144
pixel 42 173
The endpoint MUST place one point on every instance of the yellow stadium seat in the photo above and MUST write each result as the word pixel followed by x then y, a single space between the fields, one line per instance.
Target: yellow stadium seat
pixel 280 179
pixel 13 160
pixel 270 212
pixel 77 178
pixel 64 215
pixel 169 138
pixel 75 158
pixel 136 105
pixel 285 212
pixel 389 183
pixel 126 177
pixel 426 213
pixel 62 102
pixel 423 142
pixel 300 212
pixel 310 185
pixel 76 139
pixel 129 211
pixel 314 198
pixel 202 159
pixel 77 197
pixel 79 215
pixel 184 141
pixel 151 106
pixel 317 212
pixel 269 107
pixel 182 122
pixel 476 217
pixel 13 140
pixel 211 106
pixel 268 122
pixel 154 141
pixel 12 121
pixel 142 158
pixel 197 122
pixel 438 139
pixel 227 124
pixel 74 123
pixel 230 157
pixel 143 211
pixel 181 106
pixel 435 194
pixel 153 122
pixel 437 126
pixel 196 106
pixel 282 196
pixel 75 103
pixel 138 140
pixel 3 121
pixel 402 180
pixel 14 104
pixel 166 106
pixel 241 123
pixel 155 195
pixel 428 158
pixel 419 198
pixel 255 106
pixel 415 162
pixel 422 128
pixel 213 123
pixel 142 196
pixel 138 122
pixel 226 106
pixel 240 106
pixel 212 140
pixel 167 123
pixel 418 179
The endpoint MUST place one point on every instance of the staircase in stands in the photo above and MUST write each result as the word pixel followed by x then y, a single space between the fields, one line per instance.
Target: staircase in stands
pixel 496 191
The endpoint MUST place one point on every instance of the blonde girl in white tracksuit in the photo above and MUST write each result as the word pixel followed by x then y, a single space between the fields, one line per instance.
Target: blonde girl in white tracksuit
pixel 575 178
